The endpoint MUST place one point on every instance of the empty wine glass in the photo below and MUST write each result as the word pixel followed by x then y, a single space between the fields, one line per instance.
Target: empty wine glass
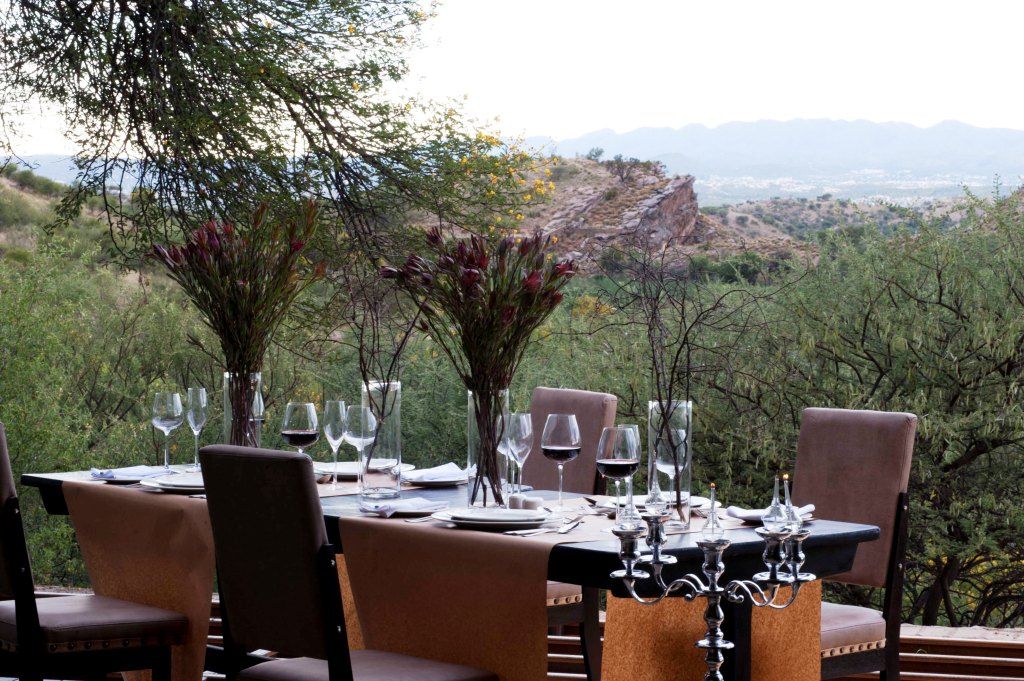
pixel 360 432
pixel 793 520
pixel 713 530
pixel 168 415
pixel 560 442
pixel 618 458
pixel 195 413
pixel 774 518
pixel 334 431
pixel 299 427
pixel 518 440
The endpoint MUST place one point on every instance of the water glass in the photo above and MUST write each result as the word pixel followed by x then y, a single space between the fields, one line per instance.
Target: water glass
pixel 334 431
pixel 360 432
pixel 195 413
pixel 168 415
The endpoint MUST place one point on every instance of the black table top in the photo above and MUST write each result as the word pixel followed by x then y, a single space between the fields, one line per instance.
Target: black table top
pixel 830 549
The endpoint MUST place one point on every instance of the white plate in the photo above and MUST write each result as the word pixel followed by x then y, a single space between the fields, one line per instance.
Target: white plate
pixel 347 470
pixel 496 525
pixel 696 502
pixel 500 514
pixel 173 489
pixel 406 467
pixel 444 482
pixel 758 523
pixel 378 465
pixel 191 480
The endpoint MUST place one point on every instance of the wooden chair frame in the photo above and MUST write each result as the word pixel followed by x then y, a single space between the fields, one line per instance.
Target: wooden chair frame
pixel 339 659
pixel 31 661
pixel 885 660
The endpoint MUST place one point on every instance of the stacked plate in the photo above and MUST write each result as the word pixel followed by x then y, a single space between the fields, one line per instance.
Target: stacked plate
pixel 180 483
pixel 496 519
pixel 696 503
pixel 349 470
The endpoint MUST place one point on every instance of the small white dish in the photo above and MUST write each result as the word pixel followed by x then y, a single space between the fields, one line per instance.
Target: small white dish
pixel 443 482
pixel 499 514
pixel 346 470
pixel 183 483
pixel 497 525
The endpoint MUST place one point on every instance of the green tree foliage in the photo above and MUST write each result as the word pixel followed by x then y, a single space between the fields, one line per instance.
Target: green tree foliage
pixel 195 111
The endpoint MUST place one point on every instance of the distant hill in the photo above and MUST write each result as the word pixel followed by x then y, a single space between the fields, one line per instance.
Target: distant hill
pixel 805 158
pixel 56 167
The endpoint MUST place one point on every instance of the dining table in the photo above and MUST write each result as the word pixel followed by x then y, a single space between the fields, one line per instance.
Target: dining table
pixel 587 562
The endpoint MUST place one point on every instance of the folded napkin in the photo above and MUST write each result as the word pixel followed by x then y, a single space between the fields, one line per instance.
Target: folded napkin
pixel 127 473
pixel 386 509
pixel 448 471
pixel 754 515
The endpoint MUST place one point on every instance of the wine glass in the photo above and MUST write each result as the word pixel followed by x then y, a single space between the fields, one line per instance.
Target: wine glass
pixel 360 432
pixel 518 440
pixel 195 413
pixel 560 442
pixel 299 427
pixel 618 458
pixel 167 417
pixel 334 431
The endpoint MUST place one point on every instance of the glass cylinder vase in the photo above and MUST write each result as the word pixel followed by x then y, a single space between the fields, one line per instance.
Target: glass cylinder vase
pixel 382 460
pixel 486 465
pixel 670 460
pixel 243 408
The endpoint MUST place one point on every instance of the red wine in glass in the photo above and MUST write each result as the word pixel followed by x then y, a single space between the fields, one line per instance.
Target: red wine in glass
pixel 560 454
pixel 618 469
pixel 300 439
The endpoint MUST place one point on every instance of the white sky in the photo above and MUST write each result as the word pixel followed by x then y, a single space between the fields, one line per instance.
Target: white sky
pixel 566 67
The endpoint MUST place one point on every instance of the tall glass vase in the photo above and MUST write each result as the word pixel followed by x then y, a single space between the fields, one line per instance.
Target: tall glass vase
pixel 384 398
pixel 243 408
pixel 670 457
pixel 486 466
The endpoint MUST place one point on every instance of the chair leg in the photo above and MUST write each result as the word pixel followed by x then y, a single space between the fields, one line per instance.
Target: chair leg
pixel 162 666
pixel 590 633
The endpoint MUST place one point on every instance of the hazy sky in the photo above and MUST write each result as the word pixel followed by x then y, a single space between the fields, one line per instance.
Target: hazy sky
pixel 566 67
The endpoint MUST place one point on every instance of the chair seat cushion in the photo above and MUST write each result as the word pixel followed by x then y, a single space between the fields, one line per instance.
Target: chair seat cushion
pixel 849 629
pixel 73 623
pixel 563 594
pixel 367 665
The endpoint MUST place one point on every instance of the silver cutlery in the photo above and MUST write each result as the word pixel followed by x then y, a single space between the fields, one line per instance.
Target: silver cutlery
pixel 571 526
pixel 419 520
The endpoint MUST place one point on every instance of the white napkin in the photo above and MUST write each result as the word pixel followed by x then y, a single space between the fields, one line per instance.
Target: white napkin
pixel 386 509
pixel 127 473
pixel 754 515
pixel 448 471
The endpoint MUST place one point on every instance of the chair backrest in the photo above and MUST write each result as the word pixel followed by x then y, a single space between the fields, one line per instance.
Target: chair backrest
pixel 853 466
pixel 7 493
pixel 269 537
pixel 15 567
pixel 594 412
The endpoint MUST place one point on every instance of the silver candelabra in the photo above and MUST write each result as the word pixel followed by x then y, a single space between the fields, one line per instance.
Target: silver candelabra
pixel 783 558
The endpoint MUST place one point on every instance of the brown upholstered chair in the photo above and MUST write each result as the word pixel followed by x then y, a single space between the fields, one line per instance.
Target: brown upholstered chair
pixel 855 466
pixel 70 637
pixel 568 603
pixel 278 578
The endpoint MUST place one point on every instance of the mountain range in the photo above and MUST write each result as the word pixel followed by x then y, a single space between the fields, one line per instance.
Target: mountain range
pixel 854 159
pixel 742 161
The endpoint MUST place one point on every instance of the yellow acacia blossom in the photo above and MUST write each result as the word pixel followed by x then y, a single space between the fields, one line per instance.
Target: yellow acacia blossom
pixel 527 197
pixel 351 29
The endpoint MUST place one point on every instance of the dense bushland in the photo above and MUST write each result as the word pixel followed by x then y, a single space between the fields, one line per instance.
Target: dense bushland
pixel 930 322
